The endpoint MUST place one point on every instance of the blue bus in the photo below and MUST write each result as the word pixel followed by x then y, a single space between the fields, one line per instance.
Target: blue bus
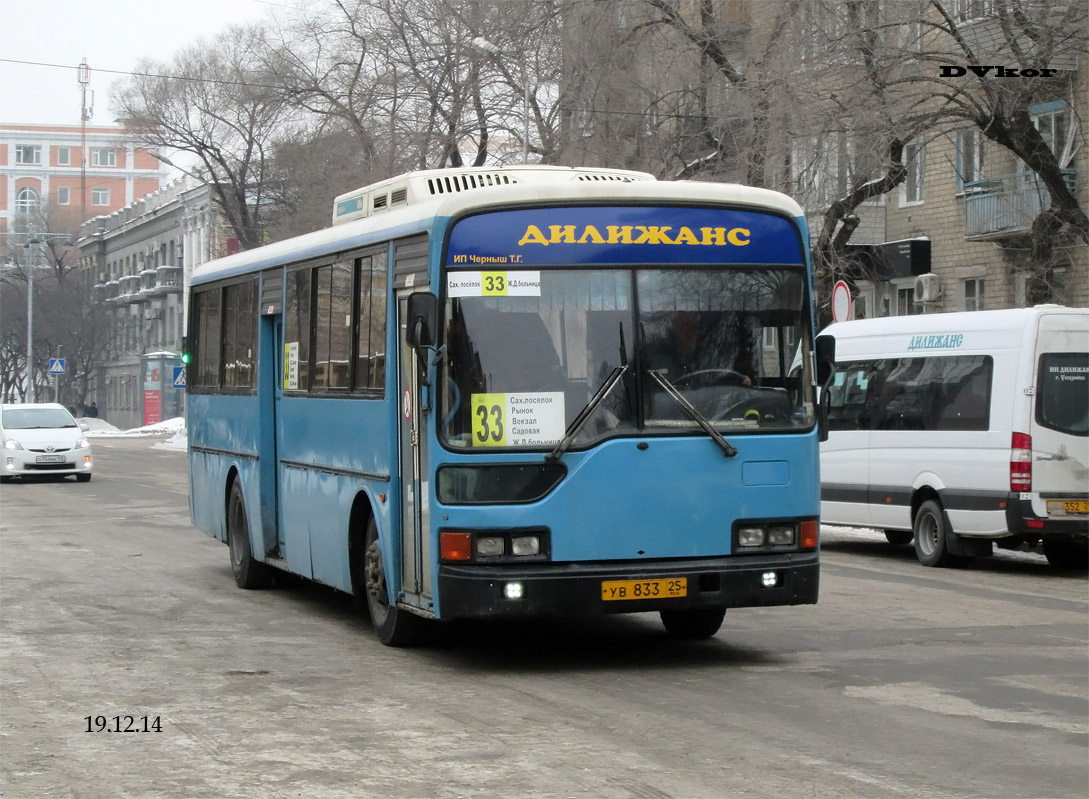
pixel 514 392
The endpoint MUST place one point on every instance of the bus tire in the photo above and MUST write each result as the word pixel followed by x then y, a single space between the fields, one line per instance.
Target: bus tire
pixel 931 531
pixel 899 537
pixel 248 572
pixel 693 625
pixel 392 625
pixel 1067 555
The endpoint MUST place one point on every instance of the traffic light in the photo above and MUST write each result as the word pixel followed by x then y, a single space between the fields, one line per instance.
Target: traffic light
pixel 185 351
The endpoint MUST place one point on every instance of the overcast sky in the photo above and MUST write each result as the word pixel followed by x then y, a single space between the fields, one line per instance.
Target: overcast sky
pixel 43 42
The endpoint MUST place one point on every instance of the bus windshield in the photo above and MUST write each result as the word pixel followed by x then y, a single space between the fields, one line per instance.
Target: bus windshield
pixel 518 370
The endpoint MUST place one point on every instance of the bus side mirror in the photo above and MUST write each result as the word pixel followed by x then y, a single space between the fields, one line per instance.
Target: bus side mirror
pixel 423 319
pixel 826 358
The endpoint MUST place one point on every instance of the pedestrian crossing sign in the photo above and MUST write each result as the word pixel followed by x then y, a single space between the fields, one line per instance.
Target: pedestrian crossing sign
pixel 179 377
pixel 56 366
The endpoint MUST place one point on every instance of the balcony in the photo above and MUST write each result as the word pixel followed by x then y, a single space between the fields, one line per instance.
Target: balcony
pixel 170 280
pixel 1004 207
pixel 147 284
pixel 112 292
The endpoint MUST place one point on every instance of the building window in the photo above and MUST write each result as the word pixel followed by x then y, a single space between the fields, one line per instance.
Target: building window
pixel 26 201
pixel 100 196
pixel 968 10
pixel 905 301
pixel 969 156
pixel 28 154
pixel 63 195
pixel 1052 121
pixel 973 294
pixel 911 190
pixel 64 156
pixel 103 156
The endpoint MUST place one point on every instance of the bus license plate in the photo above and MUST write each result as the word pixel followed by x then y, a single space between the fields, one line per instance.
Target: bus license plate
pixel 1064 507
pixel 668 588
pixel 49 459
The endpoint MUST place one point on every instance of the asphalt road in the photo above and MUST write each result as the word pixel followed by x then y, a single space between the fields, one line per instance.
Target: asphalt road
pixel 902 682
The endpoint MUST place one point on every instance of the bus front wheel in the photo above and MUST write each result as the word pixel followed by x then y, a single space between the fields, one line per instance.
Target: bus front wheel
pixel 693 624
pixel 248 572
pixel 392 625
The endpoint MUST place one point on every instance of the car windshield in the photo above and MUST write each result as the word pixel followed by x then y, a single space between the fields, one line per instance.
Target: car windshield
pixel 33 418
pixel 518 370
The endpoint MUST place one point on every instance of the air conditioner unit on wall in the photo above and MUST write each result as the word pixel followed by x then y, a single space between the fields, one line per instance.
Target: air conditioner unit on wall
pixel 928 288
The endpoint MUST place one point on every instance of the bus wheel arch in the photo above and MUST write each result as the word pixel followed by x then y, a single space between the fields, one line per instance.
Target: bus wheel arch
pixel 248 571
pixel 394 626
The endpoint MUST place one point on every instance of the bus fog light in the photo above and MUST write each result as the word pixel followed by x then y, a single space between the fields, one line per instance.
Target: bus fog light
pixel 526 545
pixel 490 546
pixel 750 537
pixel 780 536
pixel 512 590
pixel 769 579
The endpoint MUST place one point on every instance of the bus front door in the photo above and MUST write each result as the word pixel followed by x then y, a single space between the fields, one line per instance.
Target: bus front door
pixel 412 447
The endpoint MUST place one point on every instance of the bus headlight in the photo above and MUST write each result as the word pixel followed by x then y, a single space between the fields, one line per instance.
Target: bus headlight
pixel 526 545
pixel 781 536
pixel 490 546
pixel 750 537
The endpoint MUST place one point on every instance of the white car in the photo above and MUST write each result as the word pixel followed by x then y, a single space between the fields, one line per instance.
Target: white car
pixel 42 440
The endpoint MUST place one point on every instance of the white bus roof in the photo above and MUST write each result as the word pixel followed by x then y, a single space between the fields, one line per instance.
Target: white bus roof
pixel 528 185
pixel 893 336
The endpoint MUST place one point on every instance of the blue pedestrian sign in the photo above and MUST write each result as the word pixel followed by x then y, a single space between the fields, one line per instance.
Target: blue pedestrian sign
pixel 179 377
pixel 56 366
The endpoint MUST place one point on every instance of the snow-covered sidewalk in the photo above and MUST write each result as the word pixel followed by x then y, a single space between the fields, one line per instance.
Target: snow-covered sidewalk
pixel 175 428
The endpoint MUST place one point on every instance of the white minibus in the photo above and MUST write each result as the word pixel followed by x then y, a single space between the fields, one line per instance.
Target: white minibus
pixel 962 430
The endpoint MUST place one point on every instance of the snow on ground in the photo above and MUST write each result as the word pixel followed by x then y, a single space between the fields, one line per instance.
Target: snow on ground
pixel 175 428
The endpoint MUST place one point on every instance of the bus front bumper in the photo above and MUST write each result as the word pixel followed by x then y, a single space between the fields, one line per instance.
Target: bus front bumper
pixel 473 590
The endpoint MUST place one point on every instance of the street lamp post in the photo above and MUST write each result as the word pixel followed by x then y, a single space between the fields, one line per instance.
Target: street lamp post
pixel 30 250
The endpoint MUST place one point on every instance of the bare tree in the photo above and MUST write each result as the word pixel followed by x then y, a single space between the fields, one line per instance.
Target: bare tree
pixel 213 104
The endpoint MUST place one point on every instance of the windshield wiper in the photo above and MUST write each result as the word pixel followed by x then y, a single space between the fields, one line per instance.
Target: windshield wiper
pixel 727 448
pixel 587 412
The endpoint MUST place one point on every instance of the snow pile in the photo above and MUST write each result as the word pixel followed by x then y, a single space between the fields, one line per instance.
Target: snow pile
pixel 96 428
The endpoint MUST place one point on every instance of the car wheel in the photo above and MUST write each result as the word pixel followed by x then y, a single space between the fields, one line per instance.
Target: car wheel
pixel 1067 555
pixel 393 625
pixel 930 536
pixel 6 479
pixel 899 537
pixel 248 572
pixel 693 624
pixel 83 478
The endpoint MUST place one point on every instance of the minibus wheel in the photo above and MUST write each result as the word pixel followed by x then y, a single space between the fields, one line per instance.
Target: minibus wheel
pixel 931 530
pixel 392 625
pixel 693 624
pixel 248 572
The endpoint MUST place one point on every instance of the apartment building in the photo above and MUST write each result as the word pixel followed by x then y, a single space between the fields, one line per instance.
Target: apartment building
pixel 137 262
pixel 64 174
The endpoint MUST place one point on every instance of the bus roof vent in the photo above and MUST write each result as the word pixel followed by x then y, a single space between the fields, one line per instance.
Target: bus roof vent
pixel 429 184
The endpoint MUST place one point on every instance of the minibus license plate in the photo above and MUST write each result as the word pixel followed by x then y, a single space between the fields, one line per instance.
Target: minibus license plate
pixel 49 459
pixel 1063 507
pixel 667 588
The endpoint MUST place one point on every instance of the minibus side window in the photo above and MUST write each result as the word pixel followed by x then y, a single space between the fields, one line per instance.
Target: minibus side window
pixel 1062 396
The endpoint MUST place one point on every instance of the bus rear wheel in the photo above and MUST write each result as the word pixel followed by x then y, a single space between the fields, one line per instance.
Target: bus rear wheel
pixel 693 625
pixel 931 533
pixel 248 572
pixel 392 625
